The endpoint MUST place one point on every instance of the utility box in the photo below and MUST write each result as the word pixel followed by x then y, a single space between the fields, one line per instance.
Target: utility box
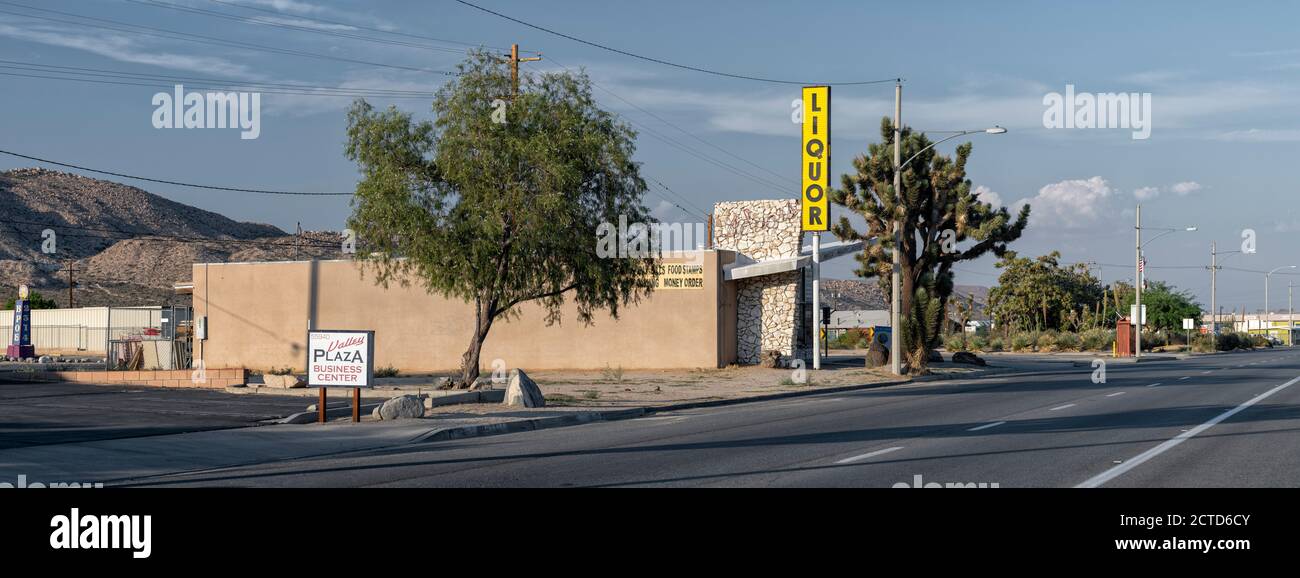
pixel 1124 337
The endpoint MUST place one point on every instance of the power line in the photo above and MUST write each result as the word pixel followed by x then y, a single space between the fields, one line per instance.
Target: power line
pixel 162 84
pixel 166 182
pixel 665 62
pixel 685 132
pixel 201 39
pixel 358 26
pixel 130 235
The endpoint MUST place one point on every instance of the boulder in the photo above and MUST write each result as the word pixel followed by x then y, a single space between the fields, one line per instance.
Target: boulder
pixel 968 357
pixel 401 407
pixel 523 391
pixel 46 359
pixel 877 354
pixel 935 357
pixel 283 381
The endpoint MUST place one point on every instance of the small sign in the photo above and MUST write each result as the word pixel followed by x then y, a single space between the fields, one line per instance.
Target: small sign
pixel 340 358
pixel 1189 323
pixel 1133 315
pixel 680 276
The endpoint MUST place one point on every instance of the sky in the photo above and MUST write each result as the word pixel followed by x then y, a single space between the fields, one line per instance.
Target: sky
pixel 1220 154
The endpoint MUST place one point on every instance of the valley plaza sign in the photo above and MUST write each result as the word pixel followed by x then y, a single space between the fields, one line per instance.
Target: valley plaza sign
pixel 340 358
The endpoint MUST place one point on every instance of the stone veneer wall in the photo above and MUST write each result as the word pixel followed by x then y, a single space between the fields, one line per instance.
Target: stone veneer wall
pixel 766 307
pixel 760 230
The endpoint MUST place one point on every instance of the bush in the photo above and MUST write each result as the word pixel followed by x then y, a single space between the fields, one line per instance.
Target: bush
pixel 1260 341
pixel 1022 341
pixel 1067 341
pixel 1097 339
pixel 850 339
pixel 995 344
pixel 1203 344
pixel 1046 340
pixel 978 343
pixel 389 371
pixel 1153 339
pixel 954 343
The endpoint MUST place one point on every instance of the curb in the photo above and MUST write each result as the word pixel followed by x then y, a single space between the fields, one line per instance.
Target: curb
pixel 330 412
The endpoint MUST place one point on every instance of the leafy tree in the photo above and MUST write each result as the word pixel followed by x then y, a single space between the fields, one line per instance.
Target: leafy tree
pixel 500 213
pixel 37 300
pixel 1041 294
pixel 1166 305
pixel 936 198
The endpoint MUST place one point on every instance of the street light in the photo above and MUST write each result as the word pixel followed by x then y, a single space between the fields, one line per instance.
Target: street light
pixel 1137 277
pixel 1266 309
pixel 896 301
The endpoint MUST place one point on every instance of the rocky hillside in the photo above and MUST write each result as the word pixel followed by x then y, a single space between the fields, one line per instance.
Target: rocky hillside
pixel 127 245
pixel 851 294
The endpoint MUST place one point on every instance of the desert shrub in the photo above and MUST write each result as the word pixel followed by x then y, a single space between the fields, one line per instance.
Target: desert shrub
pixel 1022 341
pixel 388 371
pixel 995 344
pixel 1096 339
pixel 1228 342
pixel 1067 341
pixel 1203 343
pixel 954 343
pixel 1047 340
pixel 850 339
pixel 1260 341
pixel 978 343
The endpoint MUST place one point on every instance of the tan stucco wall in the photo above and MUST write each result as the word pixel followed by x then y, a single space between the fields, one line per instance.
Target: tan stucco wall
pixel 257 317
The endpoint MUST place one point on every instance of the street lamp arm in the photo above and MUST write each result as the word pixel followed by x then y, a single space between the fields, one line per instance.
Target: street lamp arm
pixel 959 133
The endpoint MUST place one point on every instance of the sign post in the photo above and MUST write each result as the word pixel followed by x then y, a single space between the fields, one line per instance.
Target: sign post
pixel 814 200
pixel 1189 324
pixel 20 344
pixel 340 358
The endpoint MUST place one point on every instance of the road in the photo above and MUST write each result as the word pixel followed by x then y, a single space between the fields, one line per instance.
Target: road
pixel 1224 420
pixel 39 414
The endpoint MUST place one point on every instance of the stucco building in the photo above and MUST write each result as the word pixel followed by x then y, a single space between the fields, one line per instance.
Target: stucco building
pixel 749 293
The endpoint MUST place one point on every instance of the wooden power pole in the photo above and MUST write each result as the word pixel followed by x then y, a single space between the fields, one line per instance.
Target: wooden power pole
pixel 68 267
pixel 514 68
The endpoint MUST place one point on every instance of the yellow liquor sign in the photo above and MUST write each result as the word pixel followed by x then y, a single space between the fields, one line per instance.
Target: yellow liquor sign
pixel 814 201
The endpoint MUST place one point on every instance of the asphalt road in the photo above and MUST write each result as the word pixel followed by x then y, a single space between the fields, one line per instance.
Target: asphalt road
pixel 33 414
pixel 1225 420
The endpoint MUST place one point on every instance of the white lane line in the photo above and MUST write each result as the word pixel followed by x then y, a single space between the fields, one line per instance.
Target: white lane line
pixel 1119 470
pixel 1206 372
pixel 1184 377
pixel 987 426
pixel 869 455
pixel 1114 394
pixel 1063 406
pixel 1154 384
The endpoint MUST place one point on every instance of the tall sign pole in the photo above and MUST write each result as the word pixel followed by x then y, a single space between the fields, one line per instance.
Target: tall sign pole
pixel 814 201
pixel 895 298
pixel 1139 319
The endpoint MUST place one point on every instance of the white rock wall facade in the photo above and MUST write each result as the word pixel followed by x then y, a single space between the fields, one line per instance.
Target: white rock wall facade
pixel 766 307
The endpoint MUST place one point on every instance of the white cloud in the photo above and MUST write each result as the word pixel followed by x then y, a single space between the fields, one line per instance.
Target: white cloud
pixel 1070 204
pixel 1185 188
pixel 124 49
pixel 1146 193
pixel 663 211
pixel 1260 135
pixel 988 196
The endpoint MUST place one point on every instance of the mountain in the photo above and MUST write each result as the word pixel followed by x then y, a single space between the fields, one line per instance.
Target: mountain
pixel 853 294
pixel 126 245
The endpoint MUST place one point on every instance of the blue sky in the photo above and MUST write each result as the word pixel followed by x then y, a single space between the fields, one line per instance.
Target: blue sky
pixel 1220 156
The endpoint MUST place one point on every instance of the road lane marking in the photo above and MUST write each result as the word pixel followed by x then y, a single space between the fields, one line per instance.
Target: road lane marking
pixel 1205 372
pixel 869 455
pixel 1115 394
pixel 1184 377
pixel 1119 470
pixel 987 426
pixel 1063 406
pixel 1154 384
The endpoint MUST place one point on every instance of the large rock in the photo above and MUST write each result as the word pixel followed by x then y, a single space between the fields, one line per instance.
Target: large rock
pixel 935 356
pixel 523 391
pixel 877 354
pixel 968 357
pixel 401 407
pixel 283 381
pixel 770 358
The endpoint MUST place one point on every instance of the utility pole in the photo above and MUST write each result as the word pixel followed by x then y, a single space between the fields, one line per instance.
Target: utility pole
pixel 1214 270
pixel 895 339
pixel 1290 316
pixel 68 266
pixel 1138 323
pixel 514 68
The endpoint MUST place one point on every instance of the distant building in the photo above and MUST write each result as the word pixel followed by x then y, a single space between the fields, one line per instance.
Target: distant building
pixel 842 321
